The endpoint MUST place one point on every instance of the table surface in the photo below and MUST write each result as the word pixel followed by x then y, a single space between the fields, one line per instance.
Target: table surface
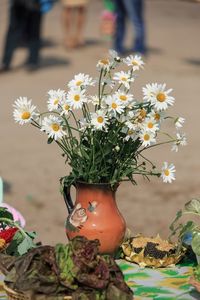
pixel 159 284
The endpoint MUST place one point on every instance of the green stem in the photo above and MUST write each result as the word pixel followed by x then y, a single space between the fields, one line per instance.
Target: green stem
pixel 158 144
pixel 168 135
pixel 74 118
pixel 62 147
pixel 146 159
pixel 37 126
pixel 99 93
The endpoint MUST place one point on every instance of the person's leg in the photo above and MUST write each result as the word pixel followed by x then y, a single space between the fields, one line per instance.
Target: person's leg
pixel 120 26
pixel 135 10
pixel 67 20
pixel 34 20
pixel 80 23
pixel 13 34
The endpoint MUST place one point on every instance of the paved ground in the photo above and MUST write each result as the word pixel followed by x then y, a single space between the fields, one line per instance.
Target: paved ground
pixel 32 168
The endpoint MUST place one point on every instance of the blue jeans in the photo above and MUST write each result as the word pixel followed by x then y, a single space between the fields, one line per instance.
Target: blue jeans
pixel 134 10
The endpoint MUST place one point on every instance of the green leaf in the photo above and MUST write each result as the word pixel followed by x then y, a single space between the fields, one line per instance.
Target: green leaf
pixel 25 245
pixel 4 213
pixel 66 265
pixel 188 227
pixel 84 153
pixel 50 140
pixel 21 243
pixel 193 206
pixel 178 216
pixel 196 243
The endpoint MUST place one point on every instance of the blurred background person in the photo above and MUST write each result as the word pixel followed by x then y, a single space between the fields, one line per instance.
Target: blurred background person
pixel 134 10
pixel 108 18
pixel 25 17
pixel 74 14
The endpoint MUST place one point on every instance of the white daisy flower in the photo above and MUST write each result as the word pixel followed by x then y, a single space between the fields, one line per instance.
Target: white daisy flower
pixel 150 125
pixel 130 134
pixel 24 111
pixel 124 78
pixel 124 98
pixel 114 105
pixel 148 91
pixel 114 55
pixel 181 141
pixel 65 109
pixel 104 64
pixel 179 122
pixel 52 126
pixel 168 172
pixel 158 96
pixel 131 125
pixel 158 116
pixel 76 98
pixel 162 99
pixel 147 138
pixel 84 124
pixel 174 147
pixel 56 97
pixel 99 120
pixel 108 82
pixel 135 62
pixel 81 80
pixel 131 114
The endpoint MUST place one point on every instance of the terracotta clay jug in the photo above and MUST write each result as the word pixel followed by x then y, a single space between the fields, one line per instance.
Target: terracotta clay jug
pixel 95 215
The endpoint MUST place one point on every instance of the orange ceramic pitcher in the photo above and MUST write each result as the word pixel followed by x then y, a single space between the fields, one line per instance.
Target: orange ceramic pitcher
pixel 95 215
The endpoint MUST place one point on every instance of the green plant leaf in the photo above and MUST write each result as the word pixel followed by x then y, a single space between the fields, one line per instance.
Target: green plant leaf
pixel 193 206
pixel 25 245
pixel 178 216
pixel 50 140
pixel 196 243
pixel 188 227
pixel 4 213
pixel 21 243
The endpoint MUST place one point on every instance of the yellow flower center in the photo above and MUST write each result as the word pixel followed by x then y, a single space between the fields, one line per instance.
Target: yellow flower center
pixel 114 105
pixel 124 79
pixel 161 97
pixel 55 101
pixel 77 98
pixel 166 172
pixel 143 113
pixel 150 125
pixel 130 132
pixel 134 63
pixel 157 116
pixel 66 107
pixel 79 83
pixel 100 119
pixel 26 115
pixel 104 61
pixel 123 98
pixel 146 137
pixel 55 127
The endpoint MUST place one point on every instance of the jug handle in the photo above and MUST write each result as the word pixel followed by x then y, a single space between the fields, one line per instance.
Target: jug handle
pixel 68 199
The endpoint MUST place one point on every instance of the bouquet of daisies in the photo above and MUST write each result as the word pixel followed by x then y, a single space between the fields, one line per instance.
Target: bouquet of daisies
pixel 104 136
